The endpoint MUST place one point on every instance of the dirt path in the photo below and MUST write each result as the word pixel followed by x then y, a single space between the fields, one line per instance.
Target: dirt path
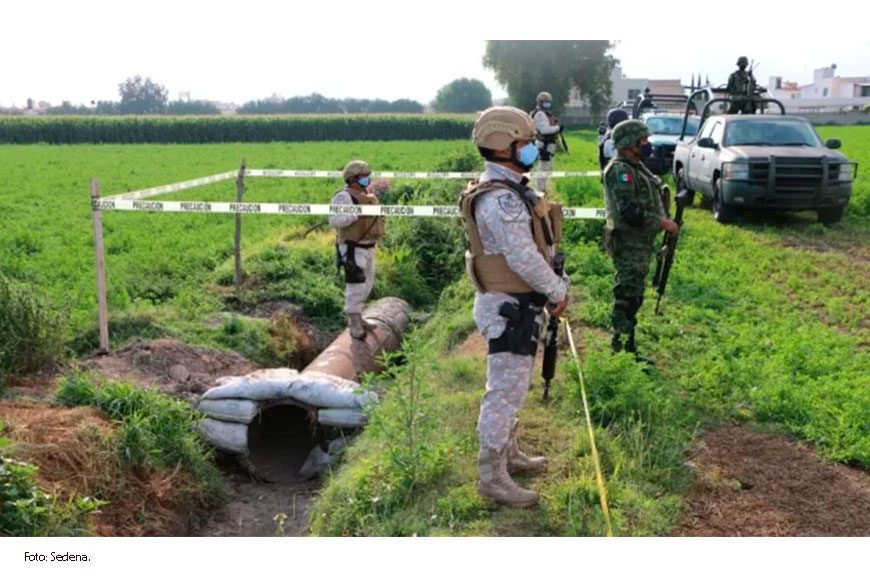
pixel 758 484
pixel 253 507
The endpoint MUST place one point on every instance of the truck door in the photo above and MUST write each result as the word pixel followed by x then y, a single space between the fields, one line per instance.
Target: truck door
pixel 694 163
pixel 710 157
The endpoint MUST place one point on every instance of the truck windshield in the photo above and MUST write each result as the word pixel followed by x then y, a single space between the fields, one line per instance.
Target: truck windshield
pixel 771 133
pixel 671 125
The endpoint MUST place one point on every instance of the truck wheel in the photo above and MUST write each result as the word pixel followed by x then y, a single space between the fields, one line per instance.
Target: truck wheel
pixel 722 213
pixel 830 215
pixel 680 182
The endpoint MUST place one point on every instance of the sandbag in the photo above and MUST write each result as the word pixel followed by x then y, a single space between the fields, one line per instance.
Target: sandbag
pixel 232 410
pixel 229 437
pixel 341 418
pixel 323 390
pixel 259 385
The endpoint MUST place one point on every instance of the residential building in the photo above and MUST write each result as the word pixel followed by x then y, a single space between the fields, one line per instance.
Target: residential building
pixel 827 93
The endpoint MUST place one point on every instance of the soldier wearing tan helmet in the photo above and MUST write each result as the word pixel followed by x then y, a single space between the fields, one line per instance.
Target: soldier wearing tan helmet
pixel 355 247
pixel 547 128
pixel 512 233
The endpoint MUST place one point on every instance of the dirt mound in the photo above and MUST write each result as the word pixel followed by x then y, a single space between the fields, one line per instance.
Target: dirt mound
pixel 76 456
pixel 169 365
pixel 758 484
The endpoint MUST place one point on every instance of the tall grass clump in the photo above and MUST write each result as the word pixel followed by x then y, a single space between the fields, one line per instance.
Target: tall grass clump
pixel 26 510
pixel 403 453
pixel 156 431
pixel 31 329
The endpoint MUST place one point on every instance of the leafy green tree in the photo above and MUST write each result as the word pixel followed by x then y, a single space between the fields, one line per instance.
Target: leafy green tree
pixel 140 97
pixel 462 96
pixel 191 108
pixel 527 67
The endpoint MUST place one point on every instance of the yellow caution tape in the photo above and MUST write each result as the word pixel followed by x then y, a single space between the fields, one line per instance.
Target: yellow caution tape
pixel 602 491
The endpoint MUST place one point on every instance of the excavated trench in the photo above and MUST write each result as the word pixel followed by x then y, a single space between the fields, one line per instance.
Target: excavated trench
pixel 286 427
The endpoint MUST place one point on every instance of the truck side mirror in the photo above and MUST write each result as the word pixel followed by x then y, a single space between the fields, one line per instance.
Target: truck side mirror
pixel 706 143
pixel 833 144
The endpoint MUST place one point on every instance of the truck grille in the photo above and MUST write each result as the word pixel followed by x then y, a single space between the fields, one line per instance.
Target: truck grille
pixel 794 177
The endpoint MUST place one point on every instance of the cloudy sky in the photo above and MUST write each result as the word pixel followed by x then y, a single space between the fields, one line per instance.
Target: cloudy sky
pixel 80 51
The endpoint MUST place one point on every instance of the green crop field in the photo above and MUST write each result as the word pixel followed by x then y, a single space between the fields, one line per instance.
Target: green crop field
pixel 766 321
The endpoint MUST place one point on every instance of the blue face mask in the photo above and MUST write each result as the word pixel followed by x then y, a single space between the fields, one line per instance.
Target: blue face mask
pixel 527 156
pixel 364 181
pixel 546 105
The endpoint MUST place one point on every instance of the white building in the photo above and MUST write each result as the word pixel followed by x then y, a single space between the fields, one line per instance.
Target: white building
pixel 827 92
pixel 624 88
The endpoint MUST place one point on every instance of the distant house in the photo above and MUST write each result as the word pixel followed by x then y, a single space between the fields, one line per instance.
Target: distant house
pixel 827 93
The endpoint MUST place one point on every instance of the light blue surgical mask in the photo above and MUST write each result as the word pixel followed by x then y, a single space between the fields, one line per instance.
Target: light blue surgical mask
pixel 546 105
pixel 527 156
pixel 364 181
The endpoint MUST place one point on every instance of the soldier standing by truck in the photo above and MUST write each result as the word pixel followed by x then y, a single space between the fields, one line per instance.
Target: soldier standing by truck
pixel 512 232
pixel 355 247
pixel 741 86
pixel 547 126
pixel 635 214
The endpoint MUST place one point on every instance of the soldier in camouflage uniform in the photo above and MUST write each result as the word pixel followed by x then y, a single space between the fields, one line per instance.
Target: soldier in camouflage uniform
pixel 635 214
pixel 512 232
pixel 357 239
pixel 548 128
pixel 741 86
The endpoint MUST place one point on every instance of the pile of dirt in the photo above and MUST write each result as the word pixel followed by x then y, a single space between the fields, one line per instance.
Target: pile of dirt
pixel 759 484
pixel 76 456
pixel 170 365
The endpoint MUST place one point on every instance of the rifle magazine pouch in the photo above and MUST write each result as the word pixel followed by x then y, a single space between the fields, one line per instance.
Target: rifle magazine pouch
pixel 556 221
pixel 521 331
pixel 353 274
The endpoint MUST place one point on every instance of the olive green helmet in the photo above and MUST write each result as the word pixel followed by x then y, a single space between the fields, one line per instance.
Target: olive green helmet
pixel 544 97
pixel 355 169
pixel 742 61
pixel 627 133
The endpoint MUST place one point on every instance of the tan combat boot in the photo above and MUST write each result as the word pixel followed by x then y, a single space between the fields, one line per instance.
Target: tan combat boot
pixel 519 462
pixel 355 326
pixel 496 484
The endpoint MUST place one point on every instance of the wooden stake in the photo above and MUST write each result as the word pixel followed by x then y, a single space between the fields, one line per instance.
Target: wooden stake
pixel 237 241
pixel 101 267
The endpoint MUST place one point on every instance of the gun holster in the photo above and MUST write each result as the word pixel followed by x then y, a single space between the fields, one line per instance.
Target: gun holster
pixel 353 274
pixel 521 332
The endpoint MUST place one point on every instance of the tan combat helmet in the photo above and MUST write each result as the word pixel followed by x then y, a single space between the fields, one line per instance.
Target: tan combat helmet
pixel 544 97
pixel 355 169
pixel 497 127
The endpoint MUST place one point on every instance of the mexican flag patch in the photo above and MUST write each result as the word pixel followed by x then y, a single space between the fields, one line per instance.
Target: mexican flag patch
pixel 624 177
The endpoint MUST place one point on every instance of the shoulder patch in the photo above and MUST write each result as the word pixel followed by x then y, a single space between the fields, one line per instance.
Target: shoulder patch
pixel 510 206
pixel 623 176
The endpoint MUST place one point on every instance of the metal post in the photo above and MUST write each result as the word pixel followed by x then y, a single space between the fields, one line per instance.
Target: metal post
pixel 237 241
pixel 101 267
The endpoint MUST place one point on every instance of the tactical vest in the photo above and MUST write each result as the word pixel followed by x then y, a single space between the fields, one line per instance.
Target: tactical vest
pixel 647 180
pixel 541 137
pixel 366 229
pixel 490 272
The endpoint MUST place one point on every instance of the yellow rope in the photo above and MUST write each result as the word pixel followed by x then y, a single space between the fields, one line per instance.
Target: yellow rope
pixel 602 492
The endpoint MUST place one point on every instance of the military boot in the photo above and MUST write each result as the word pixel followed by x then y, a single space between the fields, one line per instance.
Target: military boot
pixel 519 462
pixel 495 483
pixel 631 347
pixel 355 326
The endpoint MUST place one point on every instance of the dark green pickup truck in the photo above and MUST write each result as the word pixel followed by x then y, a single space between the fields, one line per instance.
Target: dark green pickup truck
pixel 763 161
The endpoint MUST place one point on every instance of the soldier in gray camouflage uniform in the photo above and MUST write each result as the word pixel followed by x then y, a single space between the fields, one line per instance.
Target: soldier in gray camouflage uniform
pixel 509 262
pixel 635 214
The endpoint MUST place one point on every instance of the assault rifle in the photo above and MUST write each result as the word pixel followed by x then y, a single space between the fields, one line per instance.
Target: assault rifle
pixel 562 138
pixel 548 368
pixel 665 256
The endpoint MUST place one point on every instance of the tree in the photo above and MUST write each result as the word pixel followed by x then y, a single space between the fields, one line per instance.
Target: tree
pixel 140 97
pixel 527 67
pixel 462 96
pixel 180 107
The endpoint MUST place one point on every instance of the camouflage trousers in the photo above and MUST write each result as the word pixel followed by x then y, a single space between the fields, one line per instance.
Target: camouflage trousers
pixel 508 377
pixel 541 182
pixel 355 295
pixel 632 261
